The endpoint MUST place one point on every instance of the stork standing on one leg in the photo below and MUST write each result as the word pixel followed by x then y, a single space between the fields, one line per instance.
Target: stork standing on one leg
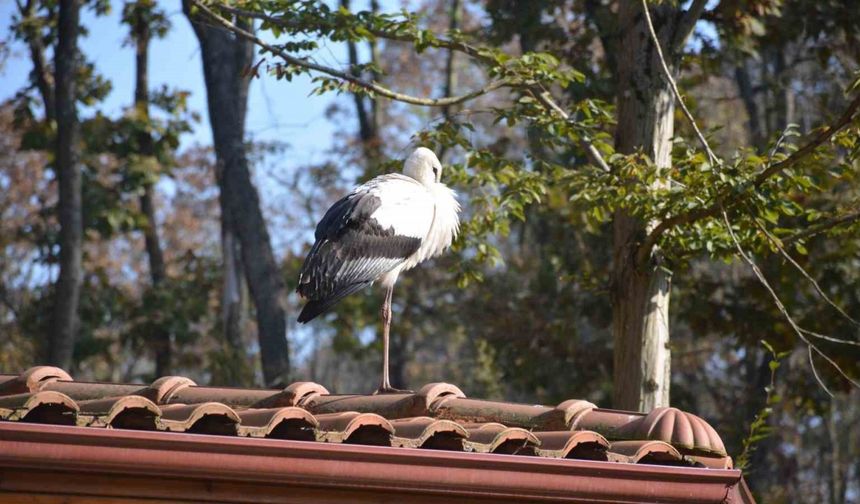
pixel 383 227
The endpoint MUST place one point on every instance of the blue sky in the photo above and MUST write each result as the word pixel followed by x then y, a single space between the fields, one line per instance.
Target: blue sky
pixel 276 111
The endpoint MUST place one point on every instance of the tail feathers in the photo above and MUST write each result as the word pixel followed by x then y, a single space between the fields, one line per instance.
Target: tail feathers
pixel 316 307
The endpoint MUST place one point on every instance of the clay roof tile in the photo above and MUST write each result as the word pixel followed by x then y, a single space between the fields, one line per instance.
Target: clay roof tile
pixel 206 418
pixel 426 432
pixel 645 452
pixel 123 412
pixel 498 438
pixel 41 407
pixel 354 427
pixel 587 445
pixel 285 423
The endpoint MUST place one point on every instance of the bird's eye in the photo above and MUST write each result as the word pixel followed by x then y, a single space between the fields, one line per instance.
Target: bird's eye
pixel 436 171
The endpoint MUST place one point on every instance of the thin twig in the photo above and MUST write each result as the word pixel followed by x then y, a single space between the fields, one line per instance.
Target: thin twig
pixel 590 150
pixel 815 371
pixel 344 76
pixel 836 367
pixel 829 338
pixel 761 278
pixel 823 226
pixel 775 242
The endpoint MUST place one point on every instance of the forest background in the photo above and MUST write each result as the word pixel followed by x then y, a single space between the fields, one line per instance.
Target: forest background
pixel 161 180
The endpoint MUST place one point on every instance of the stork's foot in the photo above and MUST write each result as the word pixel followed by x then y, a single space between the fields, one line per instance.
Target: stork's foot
pixel 388 389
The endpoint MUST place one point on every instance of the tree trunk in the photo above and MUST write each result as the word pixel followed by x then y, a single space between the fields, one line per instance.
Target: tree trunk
pixel 640 292
pixel 368 128
pixel 748 96
pixel 784 94
pixel 65 322
pixel 375 116
pixel 224 60
pixel 840 466
pixel 157 271
pixel 233 296
pixel 454 16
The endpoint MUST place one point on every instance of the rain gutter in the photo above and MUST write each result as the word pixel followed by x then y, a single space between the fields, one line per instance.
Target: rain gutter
pixel 38 459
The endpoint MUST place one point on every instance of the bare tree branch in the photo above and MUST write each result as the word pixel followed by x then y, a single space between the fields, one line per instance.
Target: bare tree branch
pixel 836 367
pixel 815 371
pixel 781 307
pixel 829 338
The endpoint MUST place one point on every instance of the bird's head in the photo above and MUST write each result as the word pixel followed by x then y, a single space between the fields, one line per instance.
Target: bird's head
pixel 423 166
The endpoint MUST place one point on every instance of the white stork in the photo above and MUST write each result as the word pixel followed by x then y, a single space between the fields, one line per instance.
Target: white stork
pixel 383 227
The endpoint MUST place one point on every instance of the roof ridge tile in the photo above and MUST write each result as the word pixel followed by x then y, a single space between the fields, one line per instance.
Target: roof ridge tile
pixel 32 380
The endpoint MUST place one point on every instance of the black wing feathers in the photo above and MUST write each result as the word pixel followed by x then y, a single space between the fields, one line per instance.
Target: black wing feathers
pixel 313 307
pixel 351 251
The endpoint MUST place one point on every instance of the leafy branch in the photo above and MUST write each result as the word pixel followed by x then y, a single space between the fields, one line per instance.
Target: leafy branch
pixel 525 73
pixel 381 28
pixel 759 428
pixel 823 226
pixel 731 196
pixel 348 77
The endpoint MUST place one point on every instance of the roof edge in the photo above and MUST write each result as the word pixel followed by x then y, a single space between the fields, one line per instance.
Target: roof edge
pixel 296 464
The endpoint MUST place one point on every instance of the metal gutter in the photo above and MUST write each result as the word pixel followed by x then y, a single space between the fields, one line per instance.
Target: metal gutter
pixel 164 465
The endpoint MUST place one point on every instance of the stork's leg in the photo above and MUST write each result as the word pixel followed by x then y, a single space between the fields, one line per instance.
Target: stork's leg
pixel 386 329
pixel 385 387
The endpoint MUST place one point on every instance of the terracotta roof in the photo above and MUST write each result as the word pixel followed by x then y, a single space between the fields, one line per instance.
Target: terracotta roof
pixel 438 416
pixel 435 419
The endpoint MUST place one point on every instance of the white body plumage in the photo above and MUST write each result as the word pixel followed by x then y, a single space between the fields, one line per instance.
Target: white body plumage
pixel 410 208
pixel 383 227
